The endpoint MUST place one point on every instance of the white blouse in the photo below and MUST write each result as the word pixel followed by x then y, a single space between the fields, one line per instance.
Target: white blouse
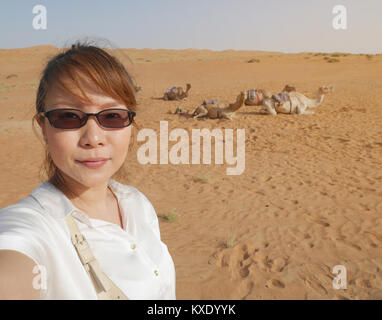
pixel 135 258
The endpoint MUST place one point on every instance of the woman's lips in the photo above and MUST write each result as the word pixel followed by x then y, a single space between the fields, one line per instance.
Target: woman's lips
pixel 93 163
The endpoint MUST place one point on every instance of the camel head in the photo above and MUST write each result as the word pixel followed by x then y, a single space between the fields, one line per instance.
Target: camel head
pixel 188 86
pixel 325 89
pixel 289 88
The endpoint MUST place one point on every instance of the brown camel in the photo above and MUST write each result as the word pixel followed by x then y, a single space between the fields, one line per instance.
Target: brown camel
pixel 219 110
pixel 177 93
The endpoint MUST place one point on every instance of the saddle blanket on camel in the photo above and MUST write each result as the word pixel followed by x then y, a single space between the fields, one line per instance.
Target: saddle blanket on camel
pixel 281 97
pixel 169 90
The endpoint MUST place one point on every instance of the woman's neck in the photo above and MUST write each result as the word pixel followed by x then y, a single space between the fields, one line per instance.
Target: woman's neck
pixel 92 200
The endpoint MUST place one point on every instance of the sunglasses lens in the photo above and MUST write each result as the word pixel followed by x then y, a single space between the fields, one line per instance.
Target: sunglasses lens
pixel 115 118
pixel 66 119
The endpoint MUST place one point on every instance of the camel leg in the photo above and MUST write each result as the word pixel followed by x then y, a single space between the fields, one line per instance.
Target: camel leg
pixel 303 110
pixel 202 114
pixel 300 110
pixel 269 108
pixel 226 116
pixel 312 105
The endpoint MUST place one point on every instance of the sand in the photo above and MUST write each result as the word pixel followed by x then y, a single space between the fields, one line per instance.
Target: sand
pixel 310 197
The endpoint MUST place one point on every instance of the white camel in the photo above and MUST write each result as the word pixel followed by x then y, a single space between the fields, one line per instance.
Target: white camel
pixel 294 102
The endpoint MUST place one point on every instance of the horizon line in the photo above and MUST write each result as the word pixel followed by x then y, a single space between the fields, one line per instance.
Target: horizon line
pixel 196 49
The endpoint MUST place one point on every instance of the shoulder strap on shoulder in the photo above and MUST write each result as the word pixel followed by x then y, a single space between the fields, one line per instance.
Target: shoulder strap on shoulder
pixel 105 288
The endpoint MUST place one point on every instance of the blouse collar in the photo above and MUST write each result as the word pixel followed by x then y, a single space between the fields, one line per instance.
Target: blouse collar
pixel 59 206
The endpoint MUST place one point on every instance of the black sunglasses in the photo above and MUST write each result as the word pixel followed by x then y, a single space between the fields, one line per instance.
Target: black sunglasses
pixel 67 118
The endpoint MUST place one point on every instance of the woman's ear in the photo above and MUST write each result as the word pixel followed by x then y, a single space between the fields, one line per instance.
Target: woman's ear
pixel 40 120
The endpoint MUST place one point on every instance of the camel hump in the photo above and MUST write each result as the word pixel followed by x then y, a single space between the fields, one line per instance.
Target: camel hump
pixel 289 88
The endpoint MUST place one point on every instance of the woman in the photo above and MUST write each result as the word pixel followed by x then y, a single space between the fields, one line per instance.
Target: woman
pixel 81 234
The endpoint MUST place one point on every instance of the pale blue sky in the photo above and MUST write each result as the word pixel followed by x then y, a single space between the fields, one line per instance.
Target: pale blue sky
pixel 272 25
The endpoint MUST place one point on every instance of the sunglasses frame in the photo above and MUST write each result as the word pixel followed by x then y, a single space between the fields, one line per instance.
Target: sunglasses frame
pixel 131 114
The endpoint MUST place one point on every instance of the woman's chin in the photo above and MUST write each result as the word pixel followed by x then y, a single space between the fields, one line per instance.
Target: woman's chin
pixel 94 181
pixel 90 180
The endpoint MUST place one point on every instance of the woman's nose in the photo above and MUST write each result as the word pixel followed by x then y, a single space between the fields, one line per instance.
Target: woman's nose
pixel 92 134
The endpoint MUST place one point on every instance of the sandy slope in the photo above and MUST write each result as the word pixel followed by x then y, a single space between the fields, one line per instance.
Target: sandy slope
pixel 310 197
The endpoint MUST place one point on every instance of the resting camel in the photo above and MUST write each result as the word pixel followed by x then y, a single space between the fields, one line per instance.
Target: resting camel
pixel 177 93
pixel 217 110
pixel 294 102
pixel 255 97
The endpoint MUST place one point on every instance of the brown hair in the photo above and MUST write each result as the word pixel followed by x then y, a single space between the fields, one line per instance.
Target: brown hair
pixel 101 68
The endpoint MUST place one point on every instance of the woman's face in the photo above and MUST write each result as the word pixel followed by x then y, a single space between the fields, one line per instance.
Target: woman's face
pixel 70 148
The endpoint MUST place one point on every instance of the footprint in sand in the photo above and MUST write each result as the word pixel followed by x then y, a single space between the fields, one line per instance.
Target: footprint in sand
pixel 320 221
pixel 351 245
pixel 244 272
pixel 279 264
pixel 274 283
pixel 249 287
pixel 363 283
pixel 373 239
pixel 237 259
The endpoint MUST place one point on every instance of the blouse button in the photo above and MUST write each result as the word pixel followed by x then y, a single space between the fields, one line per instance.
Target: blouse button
pixel 133 246
pixel 156 272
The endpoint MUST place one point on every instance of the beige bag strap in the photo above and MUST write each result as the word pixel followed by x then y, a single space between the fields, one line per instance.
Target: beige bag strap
pixel 105 288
